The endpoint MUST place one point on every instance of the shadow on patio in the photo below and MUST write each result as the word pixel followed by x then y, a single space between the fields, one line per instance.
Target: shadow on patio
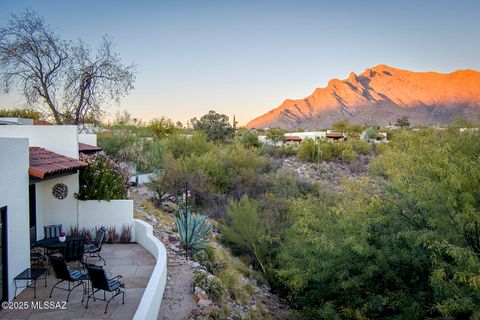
pixel 131 261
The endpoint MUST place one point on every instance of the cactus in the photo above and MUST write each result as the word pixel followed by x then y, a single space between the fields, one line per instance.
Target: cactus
pixel 194 230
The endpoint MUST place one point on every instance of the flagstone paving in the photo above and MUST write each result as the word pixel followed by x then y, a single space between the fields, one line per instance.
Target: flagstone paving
pixel 131 261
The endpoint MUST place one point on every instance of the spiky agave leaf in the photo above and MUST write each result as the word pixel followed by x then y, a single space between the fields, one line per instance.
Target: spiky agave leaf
pixel 194 230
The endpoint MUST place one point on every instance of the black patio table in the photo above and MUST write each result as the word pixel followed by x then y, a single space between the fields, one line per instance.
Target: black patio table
pixel 54 244
pixel 30 275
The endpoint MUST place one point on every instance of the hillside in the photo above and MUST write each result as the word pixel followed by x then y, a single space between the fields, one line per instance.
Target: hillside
pixel 381 95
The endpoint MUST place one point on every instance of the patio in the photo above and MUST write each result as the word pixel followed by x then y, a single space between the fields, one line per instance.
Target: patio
pixel 131 261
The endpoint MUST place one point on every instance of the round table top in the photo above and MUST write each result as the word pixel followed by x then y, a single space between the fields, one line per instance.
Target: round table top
pixel 53 243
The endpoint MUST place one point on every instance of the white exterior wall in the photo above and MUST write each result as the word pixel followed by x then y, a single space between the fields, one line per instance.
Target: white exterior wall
pixel 90 139
pixel 152 297
pixel 14 194
pixel 59 139
pixel 94 213
pixel 308 134
pixel 51 210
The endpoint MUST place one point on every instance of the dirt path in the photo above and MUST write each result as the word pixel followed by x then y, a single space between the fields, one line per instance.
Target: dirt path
pixel 177 300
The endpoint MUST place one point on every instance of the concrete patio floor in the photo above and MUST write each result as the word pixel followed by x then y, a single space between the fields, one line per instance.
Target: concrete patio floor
pixel 131 261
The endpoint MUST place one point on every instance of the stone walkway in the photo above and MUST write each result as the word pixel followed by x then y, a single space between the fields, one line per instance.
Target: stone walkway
pixel 131 261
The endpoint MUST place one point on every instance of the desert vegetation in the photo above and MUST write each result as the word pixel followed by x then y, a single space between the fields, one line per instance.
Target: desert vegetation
pixel 399 240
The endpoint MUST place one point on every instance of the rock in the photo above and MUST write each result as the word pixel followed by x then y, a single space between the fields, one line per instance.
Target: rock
pixel 174 248
pixel 207 310
pixel 200 296
pixel 165 241
pixel 210 277
pixel 196 312
pixel 203 303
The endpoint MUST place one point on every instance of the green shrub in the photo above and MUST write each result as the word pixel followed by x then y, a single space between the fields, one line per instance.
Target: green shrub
pixel 209 283
pixel 360 146
pixel 210 259
pixel 183 146
pixel 103 179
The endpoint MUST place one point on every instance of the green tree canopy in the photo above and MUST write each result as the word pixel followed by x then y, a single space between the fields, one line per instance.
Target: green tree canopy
pixel 215 126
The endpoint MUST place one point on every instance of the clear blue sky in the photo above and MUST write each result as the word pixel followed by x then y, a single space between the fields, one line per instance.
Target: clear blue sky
pixel 246 57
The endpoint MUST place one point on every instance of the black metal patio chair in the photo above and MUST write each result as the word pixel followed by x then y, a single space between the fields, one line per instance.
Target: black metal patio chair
pixel 52 231
pixel 36 257
pixel 93 249
pixel 64 273
pixel 74 251
pixel 100 281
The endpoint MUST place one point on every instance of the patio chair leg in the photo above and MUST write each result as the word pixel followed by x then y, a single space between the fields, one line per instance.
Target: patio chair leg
pixel 108 302
pixel 70 291
pixel 56 284
pixel 89 296
pixel 101 258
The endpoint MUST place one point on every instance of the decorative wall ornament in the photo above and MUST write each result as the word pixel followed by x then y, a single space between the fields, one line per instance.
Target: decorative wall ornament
pixel 60 191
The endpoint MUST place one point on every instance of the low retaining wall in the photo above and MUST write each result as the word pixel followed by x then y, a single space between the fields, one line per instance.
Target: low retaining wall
pixel 152 297
pixel 94 213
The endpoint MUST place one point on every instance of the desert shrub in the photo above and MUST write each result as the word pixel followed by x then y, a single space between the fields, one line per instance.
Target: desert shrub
pixel 126 234
pixel 183 146
pixel 404 246
pixel 209 283
pixel 112 235
pixel 308 150
pixel 231 170
pixel 167 184
pixel 246 229
pixel 249 139
pixel 28 113
pixel 326 151
pixel 234 286
pixel 360 146
pixel 103 179
pixel 211 260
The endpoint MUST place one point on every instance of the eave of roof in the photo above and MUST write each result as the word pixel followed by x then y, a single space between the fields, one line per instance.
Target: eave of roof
pixel 292 138
pixel 44 162
pixel 88 147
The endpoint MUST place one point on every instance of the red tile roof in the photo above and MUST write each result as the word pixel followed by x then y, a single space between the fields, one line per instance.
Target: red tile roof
pixel 292 138
pixel 82 147
pixel 44 162
pixel 334 135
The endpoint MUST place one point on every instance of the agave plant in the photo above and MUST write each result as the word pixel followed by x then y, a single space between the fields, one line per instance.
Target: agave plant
pixel 194 230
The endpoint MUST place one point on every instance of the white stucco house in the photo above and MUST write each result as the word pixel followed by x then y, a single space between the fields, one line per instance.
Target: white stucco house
pixel 36 162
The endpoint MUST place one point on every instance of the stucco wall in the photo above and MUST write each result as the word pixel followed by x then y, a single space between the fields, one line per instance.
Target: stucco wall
pixel 14 195
pixel 59 139
pixel 51 210
pixel 90 139
pixel 152 297
pixel 93 213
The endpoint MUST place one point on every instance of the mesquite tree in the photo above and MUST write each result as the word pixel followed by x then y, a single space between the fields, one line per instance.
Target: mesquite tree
pixel 68 80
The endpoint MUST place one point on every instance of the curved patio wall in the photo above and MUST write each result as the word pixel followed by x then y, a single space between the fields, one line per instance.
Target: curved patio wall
pixel 152 297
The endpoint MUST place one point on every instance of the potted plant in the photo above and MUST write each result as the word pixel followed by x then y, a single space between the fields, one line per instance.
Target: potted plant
pixel 62 237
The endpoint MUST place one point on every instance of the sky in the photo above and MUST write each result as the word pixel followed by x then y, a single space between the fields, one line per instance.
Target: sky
pixel 244 58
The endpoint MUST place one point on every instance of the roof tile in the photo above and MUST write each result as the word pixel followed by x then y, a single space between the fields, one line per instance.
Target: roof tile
pixel 44 162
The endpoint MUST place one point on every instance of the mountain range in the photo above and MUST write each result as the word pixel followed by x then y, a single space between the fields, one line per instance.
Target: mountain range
pixel 379 96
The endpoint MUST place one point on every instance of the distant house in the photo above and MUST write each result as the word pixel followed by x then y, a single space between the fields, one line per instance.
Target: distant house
pixel 292 140
pixel 335 136
pixel 307 135
pixel 374 137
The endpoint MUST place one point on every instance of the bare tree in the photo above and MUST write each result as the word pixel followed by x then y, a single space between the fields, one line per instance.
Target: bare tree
pixel 72 83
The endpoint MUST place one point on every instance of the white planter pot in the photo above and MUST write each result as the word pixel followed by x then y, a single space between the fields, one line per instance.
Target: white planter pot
pixel 62 239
